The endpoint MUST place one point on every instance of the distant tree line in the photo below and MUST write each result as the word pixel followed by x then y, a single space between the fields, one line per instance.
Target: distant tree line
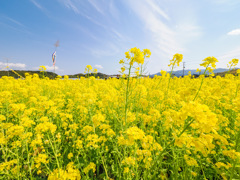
pixel 100 75
pixel 50 75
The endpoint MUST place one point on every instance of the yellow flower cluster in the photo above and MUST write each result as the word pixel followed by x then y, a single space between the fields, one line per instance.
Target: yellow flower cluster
pixel 177 58
pixel 91 166
pixel 133 128
pixel 71 173
pixel 233 63
pixel 135 55
pixel 210 64
pixel 42 68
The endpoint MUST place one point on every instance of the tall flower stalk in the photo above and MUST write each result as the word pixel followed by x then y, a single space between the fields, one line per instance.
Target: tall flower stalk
pixel 233 63
pixel 42 69
pixel 177 58
pixel 209 64
pixel 134 55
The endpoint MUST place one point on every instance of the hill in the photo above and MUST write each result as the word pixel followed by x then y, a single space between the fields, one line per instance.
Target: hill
pixel 50 75
pixel 222 74
pixel 193 71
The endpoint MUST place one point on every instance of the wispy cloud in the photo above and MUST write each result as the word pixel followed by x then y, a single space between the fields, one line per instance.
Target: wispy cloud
pixel 96 6
pixel 235 53
pixel 157 9
pixel 95 21
pixel 188 31
pixel 119 36
pixel 228 56
pixel 13 65
pixel 75 6
pixel 22 30
pixel 221 1
pixel 113 9
pixel 99 66
pixel 168 32
pixel 228 2
pixel 102 52
pixel 36 4
pixel 234 32
pixel 86 31
pixel 225 5
pixel 14 21
pixel 112 49
pixel 154 19
pixel 77 9
pixel 14 24
pixel 70 5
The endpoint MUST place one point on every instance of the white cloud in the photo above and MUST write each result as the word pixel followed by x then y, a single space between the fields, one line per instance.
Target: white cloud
pixel 13 65
pixel 234 32
pixel 51 68
pixel 98 66
pixel 48 68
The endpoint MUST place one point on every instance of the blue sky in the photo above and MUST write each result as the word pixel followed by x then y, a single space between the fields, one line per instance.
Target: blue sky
pixel 99 32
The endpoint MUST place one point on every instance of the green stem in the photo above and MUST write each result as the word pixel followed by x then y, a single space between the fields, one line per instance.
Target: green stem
pixel 201 83
pixel 186 127
pixel 236 91
pixel 29 164
pixel 229 68
pixel 105 169
pixel 55 154
pixel 236 149
pixel 127 94
pixel 169 82
pixel 177 136
pixel 18 169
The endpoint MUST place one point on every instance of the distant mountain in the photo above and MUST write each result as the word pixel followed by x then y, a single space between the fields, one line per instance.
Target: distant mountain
pixel 193 71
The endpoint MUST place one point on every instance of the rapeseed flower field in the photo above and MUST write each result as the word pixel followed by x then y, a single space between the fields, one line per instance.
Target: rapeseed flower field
pixel 128 128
